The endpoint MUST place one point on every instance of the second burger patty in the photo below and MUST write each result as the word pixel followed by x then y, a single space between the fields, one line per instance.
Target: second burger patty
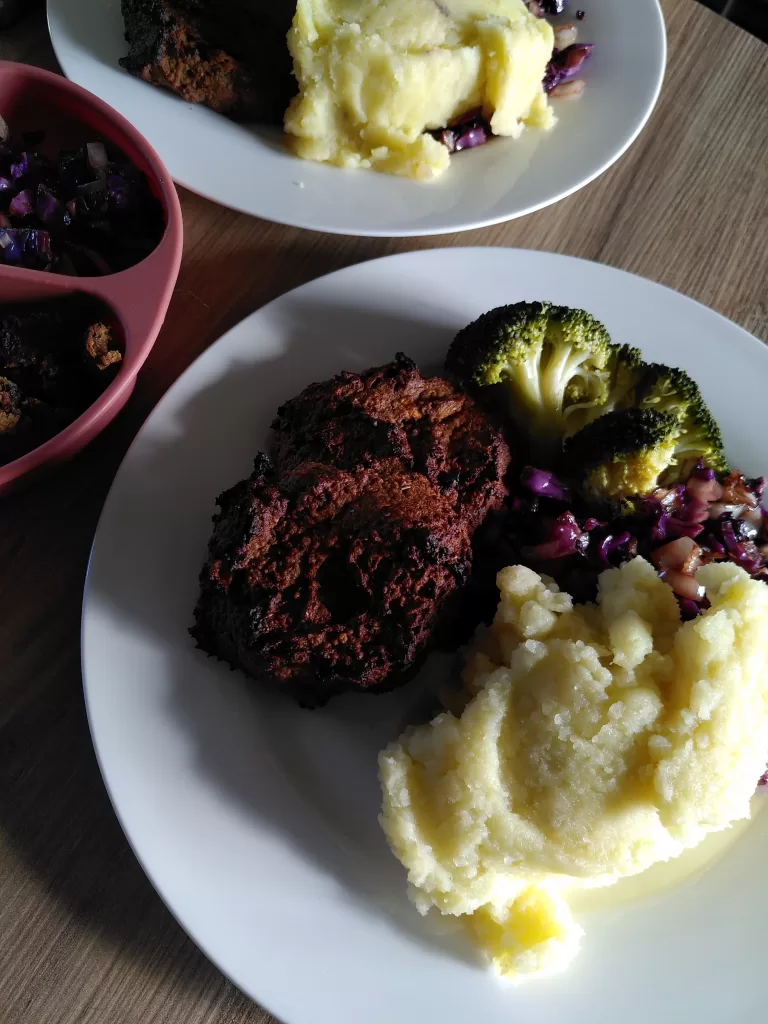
pixel 332 566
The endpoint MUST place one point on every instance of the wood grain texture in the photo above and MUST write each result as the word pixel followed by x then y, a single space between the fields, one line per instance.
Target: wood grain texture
pixel 83 937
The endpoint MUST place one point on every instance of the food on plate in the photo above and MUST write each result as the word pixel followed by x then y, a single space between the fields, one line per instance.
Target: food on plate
pixel 695 522
pixel 336 563
pixel 393 412
pixel 598 740
pixel 56 357
pixel 376 78
pixel 630 458
pixel 229 55
pixel 615 711
pixel 622 426
pixel 85 211
pixel 396 85
pixel 548 364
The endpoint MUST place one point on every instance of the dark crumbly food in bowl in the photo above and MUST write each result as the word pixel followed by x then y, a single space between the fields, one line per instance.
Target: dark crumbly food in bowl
pixel 229 55
pixel 339 562
pixel 56 357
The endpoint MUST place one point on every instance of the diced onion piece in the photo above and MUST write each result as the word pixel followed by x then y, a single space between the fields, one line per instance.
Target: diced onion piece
pixel 718 509
pixel 97 156
pixel 568 90
pixel 565 35
pixel 736 492
pixel 679 554
pixel 704 490
pixel 754 517
pixel 4 130
pixel 684 584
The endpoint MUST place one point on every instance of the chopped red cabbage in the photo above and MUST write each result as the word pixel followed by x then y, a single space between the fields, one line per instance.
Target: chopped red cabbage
pixel 689 609
pixel 466 132
pixel 566 64
pixel 547 524
pixel 22 204
pixel 565 538
pixel 545 484
pixel 86 211
pixel 48 206
pixel 475 135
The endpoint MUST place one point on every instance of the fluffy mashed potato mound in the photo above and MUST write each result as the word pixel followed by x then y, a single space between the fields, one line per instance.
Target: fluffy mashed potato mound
pixel 375 74
pixel 600 740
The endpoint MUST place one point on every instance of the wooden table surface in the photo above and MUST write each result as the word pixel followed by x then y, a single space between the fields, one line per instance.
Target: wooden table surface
pixel 83 936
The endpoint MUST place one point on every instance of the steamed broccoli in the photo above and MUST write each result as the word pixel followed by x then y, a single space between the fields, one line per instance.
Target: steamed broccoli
pixel 622 454
pixel 666 389
pixel 624 372
pixel 547 358
pixel 671 390
pixel 700 440
pixel 625 426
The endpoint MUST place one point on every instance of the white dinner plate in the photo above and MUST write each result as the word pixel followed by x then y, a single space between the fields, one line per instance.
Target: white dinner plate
pixel 256 820
pixel 250 170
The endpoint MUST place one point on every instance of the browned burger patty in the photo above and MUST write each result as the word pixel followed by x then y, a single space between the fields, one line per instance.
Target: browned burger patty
pixel 392 412
pixel 321 581
pixel 229 55
pixel 332 567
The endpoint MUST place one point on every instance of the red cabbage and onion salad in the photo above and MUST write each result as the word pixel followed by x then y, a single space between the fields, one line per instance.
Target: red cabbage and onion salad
pixel 464 132
pixel 472 129
pixel 702 520
pixel 85 212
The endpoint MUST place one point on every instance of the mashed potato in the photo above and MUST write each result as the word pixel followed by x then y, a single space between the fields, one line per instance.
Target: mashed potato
pixel 602 739
pixel 374 74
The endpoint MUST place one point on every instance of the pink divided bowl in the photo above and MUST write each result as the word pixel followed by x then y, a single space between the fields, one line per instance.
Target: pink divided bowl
pixel 32 100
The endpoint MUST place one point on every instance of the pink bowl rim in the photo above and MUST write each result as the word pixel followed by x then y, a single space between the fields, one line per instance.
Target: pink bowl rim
pixel 169 250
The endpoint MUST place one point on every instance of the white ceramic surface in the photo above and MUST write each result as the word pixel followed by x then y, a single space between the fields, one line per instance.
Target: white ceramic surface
pixel 251 171
pixel 257 821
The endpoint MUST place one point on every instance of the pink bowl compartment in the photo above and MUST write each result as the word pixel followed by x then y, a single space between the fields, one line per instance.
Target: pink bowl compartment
pixel 32 100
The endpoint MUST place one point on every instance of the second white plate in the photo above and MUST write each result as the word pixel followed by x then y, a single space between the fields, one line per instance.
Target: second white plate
pixel 253 172
pixel 257 821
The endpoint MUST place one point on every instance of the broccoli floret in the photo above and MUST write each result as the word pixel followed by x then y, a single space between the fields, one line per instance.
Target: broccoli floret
pixel 622 454
pixel 700 440
pixel 547 358
pixel 667 390
pixel 624 372
pixel 671 390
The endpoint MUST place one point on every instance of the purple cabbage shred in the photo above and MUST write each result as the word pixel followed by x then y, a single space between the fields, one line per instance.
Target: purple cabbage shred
pixel 85 211
pixel 551 528
pixel 566 64
pixel 544 484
